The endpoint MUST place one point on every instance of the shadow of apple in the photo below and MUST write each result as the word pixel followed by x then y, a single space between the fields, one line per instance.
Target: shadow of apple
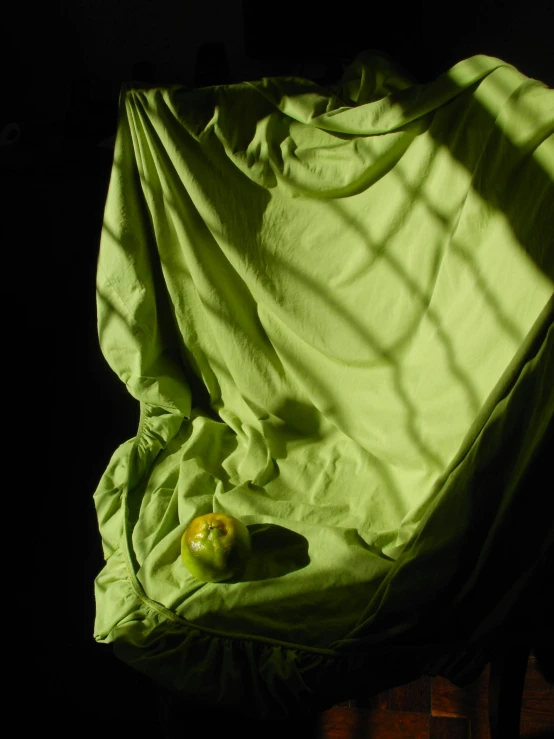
pixel 276 551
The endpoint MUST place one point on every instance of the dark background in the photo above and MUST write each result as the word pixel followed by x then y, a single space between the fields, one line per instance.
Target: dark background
pixel 63 65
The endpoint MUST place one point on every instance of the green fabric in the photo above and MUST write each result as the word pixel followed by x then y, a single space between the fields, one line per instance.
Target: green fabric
pixel 335 308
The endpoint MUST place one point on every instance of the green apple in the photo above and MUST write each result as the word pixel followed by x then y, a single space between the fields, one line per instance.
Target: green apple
pixel 215 547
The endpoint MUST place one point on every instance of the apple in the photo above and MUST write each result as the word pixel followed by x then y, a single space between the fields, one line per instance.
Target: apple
pixel 215 547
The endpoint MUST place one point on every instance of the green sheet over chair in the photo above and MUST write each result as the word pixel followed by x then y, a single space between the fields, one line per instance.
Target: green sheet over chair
pixel 334 306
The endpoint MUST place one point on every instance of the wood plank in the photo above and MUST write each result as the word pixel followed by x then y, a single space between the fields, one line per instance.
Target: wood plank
pixel 537 705
pixel 351 723
pixel 443 727
pixel 452 710
pixel 449 700
pixel 471 703
pixel 535 731
pixel 377 702
pixel 414 697
pixel 380 702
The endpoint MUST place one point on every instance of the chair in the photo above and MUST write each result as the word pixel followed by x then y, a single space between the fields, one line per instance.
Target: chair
pixel 334 306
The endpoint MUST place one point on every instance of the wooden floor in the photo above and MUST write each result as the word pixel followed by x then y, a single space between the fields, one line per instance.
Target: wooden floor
pixel 433 708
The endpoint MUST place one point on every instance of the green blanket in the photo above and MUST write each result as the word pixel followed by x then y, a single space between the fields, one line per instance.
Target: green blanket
pixel 335 308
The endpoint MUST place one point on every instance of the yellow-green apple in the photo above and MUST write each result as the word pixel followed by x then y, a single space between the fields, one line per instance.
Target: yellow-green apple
pixel 215 547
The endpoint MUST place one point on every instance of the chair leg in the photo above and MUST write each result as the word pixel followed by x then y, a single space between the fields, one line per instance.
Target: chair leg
pixel 506 680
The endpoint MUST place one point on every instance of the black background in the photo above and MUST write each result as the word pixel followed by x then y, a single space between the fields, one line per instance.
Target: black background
pixel 62 68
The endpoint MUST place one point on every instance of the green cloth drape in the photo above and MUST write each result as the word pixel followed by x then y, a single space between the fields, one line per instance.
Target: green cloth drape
pixel 334 306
